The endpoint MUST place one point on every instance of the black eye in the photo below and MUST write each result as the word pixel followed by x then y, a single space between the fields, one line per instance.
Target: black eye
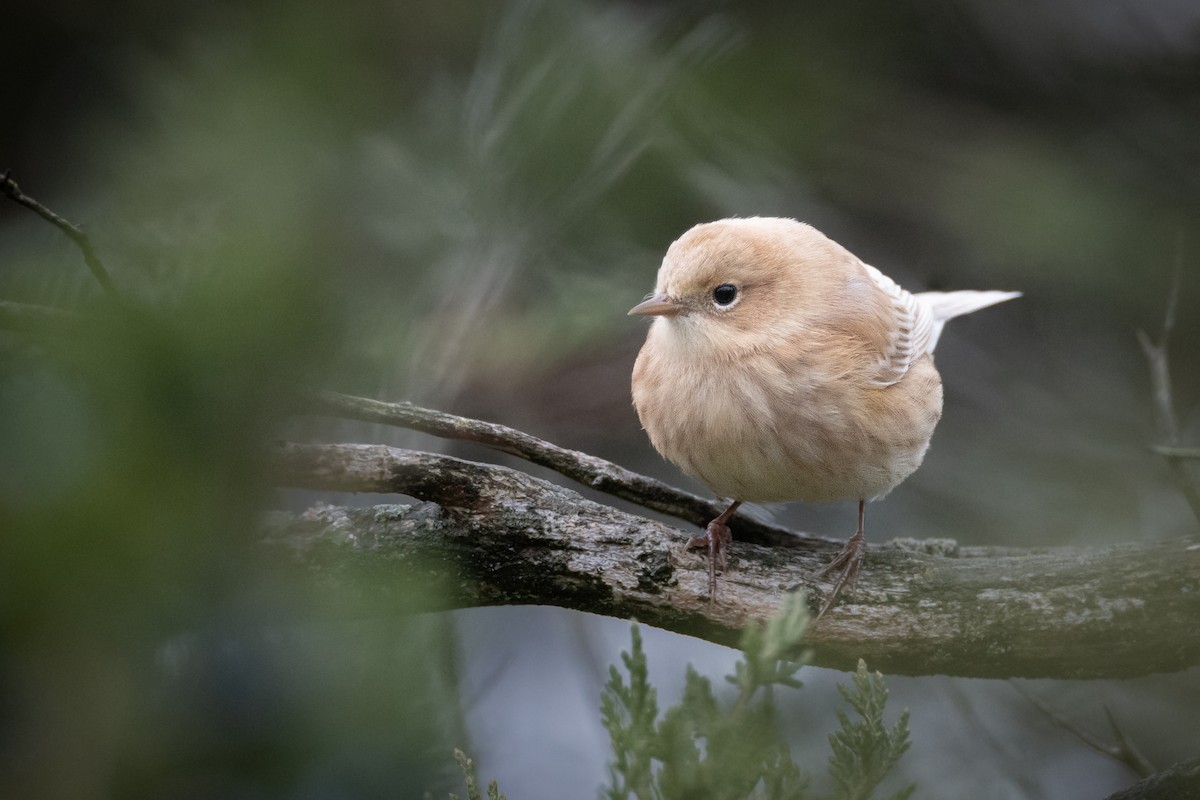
pixel 725 294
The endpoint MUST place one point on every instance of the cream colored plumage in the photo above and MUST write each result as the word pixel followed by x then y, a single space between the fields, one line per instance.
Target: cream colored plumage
pixel 815 381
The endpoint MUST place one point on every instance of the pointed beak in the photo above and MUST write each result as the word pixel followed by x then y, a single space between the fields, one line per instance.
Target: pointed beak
pixel 657 305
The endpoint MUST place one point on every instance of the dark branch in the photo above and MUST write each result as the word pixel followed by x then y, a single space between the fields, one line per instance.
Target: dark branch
pixel 73 232
pixel 493 535
pixel 1180 782
pixel 593 472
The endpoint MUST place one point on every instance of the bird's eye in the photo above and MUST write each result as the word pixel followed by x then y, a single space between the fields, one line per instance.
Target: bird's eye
pixel 725 294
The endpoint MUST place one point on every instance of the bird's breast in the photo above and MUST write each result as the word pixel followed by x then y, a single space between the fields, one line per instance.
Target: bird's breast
pixel 769 427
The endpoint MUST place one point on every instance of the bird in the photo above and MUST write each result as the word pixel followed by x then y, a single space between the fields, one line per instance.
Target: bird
pixel 781 367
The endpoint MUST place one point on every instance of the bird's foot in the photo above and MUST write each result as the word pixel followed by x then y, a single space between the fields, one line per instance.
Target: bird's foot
pixel 847 566
pixel 717 538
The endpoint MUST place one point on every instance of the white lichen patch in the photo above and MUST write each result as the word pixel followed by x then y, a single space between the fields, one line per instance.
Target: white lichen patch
pixel 1104 609
pixel 1034 601
pixel 947 548
pixel 1074 608
pixel 388 512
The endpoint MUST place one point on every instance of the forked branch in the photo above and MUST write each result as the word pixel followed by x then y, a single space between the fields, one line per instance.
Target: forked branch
pixel 588 470
pixel 1160 382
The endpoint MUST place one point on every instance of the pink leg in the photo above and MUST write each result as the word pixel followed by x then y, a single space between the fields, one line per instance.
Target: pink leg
pixel 718 538
pixel 848 563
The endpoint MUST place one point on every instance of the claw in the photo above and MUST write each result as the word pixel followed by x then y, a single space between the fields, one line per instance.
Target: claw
pixel 848 564
pixel 717 538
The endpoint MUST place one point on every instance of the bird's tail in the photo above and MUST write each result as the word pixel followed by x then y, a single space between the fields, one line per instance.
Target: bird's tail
pixel 948 305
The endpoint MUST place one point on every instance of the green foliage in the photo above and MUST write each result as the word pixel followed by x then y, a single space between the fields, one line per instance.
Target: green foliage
pixel 700 749
pixel 864 751
pixel 629 712
pixel 766 649
pixel 468 770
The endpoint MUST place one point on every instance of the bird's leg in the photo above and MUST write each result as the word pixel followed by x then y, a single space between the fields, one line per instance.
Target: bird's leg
pixel 848 563
pixel 717 537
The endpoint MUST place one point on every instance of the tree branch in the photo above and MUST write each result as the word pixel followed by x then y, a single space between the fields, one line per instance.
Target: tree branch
pixel 1180 782
pixel 593 472
pixel 73 232
pixel 1160 382
pixel 996 613
pixel 1122 749
pixel 1065 613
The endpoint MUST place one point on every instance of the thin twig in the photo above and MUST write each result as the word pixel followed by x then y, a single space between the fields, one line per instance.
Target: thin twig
pixel 73 232
pixel 1123 750
pixel 1160 382
pixel 1137 760
pixel 1160 372
pixel 593 472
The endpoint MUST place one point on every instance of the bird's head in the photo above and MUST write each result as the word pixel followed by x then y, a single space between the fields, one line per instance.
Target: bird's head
pixel 736 283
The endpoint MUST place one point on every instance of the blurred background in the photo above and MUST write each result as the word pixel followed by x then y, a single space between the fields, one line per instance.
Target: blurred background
pixel 455 203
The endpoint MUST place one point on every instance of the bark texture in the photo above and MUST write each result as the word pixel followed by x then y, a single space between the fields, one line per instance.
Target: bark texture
pixel 488 535
pixel 588 470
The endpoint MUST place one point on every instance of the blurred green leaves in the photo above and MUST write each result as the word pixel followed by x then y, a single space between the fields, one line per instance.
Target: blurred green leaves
pixel 703 748
pixel 151 649
pixel 284 200
pixel 525 203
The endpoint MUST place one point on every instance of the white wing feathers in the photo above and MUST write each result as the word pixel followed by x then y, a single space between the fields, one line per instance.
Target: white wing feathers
pixel 948 305
pixel 920 319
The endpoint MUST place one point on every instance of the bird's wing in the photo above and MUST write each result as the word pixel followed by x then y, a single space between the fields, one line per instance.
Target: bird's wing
pixel 914 331
pixel 948 305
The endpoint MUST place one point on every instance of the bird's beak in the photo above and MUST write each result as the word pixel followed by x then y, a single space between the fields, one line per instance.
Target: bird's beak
pixel 656 305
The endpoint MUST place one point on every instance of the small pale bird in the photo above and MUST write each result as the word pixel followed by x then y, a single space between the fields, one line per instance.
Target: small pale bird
pixel 781 367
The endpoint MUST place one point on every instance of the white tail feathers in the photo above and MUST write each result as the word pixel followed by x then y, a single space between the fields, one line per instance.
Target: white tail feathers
pixel 948 305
